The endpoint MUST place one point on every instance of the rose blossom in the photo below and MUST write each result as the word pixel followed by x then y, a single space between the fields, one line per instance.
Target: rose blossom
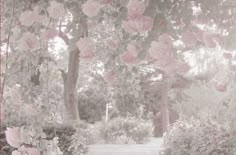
pixel 29 41
pixel 130 56
pixel 27 18
pixel 136 8
pixel 86 47
pixel 49 34
pixel 109 77
pixel 161 52
pixel 56 10
pixel 13 137
pixel 91 8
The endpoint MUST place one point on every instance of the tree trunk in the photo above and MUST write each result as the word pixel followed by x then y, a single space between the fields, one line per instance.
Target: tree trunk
pixel 157 122
pixel 70 93
pixel 164 107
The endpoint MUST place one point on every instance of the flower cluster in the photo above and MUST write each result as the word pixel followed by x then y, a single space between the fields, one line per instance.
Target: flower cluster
pixel 137 22
pixel 86 47
pixel 14 139
pixel 131 55
pixel 29 41
pixel 91 8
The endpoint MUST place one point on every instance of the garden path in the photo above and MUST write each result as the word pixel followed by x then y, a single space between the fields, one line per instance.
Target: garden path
pixel 151 148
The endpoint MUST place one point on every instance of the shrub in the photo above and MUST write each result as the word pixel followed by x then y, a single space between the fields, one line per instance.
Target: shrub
pixel 126 130
pixel 195 137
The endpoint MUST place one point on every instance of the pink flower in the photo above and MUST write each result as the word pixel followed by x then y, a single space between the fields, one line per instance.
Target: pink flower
pixel 139 24
pixel 86 55
pixel 209 40
pixel 130 56
pixel 49 34
pixel 15 153
pixel 136 8
pixel 29 41
pixel 189 38
pixel 86 47
pixel 27 18
pixel 56 10
pixel 161 52
pixel 13 137
pixel 91 8
pixel 220 87
pixel 32 151
pixel 227 55
pixel 109 77
pixel 112 44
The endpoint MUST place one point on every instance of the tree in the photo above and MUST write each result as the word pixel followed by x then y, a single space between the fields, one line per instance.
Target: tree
pixel 160 38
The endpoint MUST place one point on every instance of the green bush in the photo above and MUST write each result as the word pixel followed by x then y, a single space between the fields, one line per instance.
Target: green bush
pixel 126 130
pixel 195 137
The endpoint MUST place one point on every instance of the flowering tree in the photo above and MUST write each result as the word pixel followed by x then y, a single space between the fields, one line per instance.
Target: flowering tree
pixel 134 45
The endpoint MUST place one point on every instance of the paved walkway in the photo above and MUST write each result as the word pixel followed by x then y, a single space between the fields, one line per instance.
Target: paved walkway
pixel 151 148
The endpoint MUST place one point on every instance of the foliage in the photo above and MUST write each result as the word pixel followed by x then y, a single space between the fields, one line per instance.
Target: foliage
pixel 31 140
pixel 78 143
pixel 195 137
pixel 200 97
pixel 72 140
pixel 126 130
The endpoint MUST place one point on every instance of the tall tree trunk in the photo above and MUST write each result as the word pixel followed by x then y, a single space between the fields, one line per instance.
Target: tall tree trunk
pixel 71 77
pixel 157 122
pixel 164 106
pixel 70 93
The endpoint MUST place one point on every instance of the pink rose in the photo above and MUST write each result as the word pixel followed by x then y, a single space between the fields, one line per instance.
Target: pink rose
pixel 91 8
pixel 161 52
pixel 112 44
pixel 219 86
pixel 130 56
pixel 136 8
pixel 86 47
pixel 13 137
pixel 56 10
pixel 109 77
pixel 49 34
pixel 27 18
pixel 29 41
